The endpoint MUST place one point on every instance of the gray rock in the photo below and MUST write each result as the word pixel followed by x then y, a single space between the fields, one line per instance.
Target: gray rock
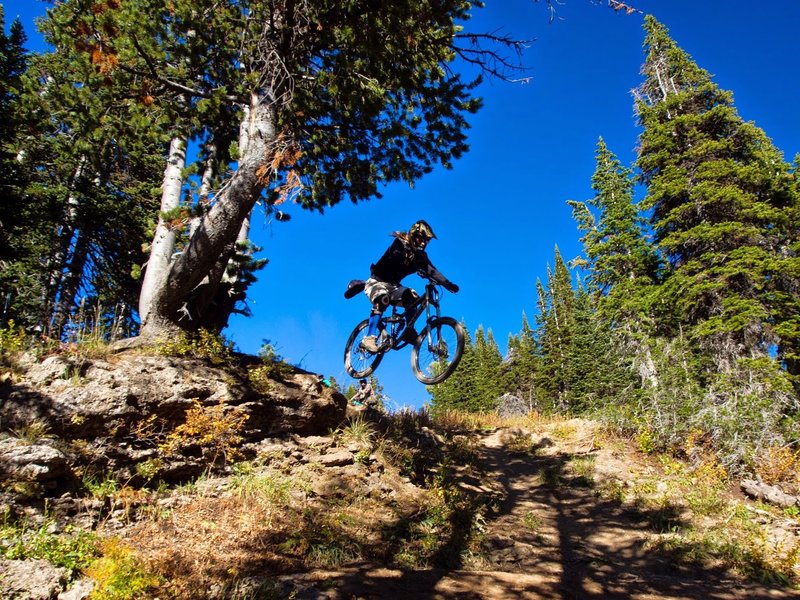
pixel 37 461
pixel 509 405
pixel 30 579
pixel 80 590
pixel 120 409
pixel 337 459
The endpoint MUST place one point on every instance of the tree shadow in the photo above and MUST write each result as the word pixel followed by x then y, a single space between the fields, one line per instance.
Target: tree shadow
pixel 585 546
pixel 600 548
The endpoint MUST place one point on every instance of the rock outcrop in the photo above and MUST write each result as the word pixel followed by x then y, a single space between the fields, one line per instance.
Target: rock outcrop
pixel 73 414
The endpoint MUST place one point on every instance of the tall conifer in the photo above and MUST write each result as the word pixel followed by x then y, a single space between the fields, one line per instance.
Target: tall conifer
pixel 720 197
pixel 619 259
pixel 555 330
pixel 723 209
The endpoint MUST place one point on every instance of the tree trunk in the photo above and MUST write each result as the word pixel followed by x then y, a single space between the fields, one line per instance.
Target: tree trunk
pixel 163 245
pixel 57 262
pixel 70 282
pixel 169 299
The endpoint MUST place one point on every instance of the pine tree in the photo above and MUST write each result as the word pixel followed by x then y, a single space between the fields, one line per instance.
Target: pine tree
pixel 521 364
pixel 488 380
pixel 622 264
pixel 556 328
pixel 720 196
pixel 457 391
pixel 596 373
pixel 90 162
pixel 619 260
pixel 724 212
pixel 13 60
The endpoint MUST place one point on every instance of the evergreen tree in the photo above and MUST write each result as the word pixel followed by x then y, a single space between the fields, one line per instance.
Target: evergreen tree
pixel 488 380
pixel 596 372
pixel 13 61
pixel 619 260
pixel 721 199
pixel 556 328
pixel 477 383
pixel 457 391
pixel 521 364
pixel 724 212
pixel 91 164
pixel 622 265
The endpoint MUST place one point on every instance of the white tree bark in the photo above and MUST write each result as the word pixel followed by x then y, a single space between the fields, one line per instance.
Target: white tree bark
pixel 165 300
pixel 163 246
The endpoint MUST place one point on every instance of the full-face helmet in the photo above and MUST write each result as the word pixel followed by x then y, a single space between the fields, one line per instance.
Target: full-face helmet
pixel 420 234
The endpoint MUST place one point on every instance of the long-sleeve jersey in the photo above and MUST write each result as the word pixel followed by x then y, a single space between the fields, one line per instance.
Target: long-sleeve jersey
pixel 401 260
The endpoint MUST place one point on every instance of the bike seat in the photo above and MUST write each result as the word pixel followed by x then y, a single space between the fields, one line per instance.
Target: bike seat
pixel 354 287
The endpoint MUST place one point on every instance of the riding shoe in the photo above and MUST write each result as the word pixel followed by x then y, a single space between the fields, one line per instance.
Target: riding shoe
pixel 370 343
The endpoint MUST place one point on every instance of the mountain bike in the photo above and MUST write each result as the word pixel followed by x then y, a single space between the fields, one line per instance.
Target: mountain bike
pixel 436 350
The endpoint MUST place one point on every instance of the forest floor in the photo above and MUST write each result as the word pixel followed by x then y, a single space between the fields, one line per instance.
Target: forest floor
pixel 580 514
pixel 402 507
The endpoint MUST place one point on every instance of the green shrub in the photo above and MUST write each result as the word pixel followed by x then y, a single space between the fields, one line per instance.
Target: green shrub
pixel 73 549
pixel 202 344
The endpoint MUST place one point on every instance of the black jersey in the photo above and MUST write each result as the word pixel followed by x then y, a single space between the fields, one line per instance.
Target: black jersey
pixel 401 260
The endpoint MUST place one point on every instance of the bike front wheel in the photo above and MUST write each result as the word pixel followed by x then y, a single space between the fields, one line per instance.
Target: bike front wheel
pixel 359 362
pixel 437 350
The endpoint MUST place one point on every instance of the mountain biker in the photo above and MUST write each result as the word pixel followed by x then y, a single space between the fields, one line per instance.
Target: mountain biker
pixel 405 255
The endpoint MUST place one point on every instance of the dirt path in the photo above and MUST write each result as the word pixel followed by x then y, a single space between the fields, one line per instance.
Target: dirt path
pixel 553 536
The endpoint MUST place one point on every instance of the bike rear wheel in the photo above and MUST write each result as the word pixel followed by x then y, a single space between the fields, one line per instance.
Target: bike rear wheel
pixel 357 361
pixel 438 350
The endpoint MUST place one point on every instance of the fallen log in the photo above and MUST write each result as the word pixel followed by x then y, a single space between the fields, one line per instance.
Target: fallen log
pixel 768 493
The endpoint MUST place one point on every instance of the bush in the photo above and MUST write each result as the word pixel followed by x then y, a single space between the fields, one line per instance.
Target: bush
pixel 202 344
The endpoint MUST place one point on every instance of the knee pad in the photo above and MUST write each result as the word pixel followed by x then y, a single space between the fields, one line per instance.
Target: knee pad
pixel 381 302
pixel 409 297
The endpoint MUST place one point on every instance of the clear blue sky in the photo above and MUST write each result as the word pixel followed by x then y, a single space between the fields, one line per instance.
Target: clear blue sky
pixel 502 209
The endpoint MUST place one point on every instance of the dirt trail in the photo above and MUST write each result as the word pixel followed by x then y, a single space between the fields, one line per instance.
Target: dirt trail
pixel 549 540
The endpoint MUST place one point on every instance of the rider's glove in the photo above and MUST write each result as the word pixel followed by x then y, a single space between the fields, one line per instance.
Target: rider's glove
pixel 450 287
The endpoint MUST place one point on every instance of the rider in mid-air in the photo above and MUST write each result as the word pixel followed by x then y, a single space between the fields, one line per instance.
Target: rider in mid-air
pixel 406 255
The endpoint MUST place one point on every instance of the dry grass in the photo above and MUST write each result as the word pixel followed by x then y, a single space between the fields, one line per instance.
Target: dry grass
pixel 261 521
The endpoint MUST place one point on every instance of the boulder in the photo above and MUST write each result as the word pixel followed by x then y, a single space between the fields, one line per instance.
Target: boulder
pixel 31 579
pixel 34 462
pixel 509 406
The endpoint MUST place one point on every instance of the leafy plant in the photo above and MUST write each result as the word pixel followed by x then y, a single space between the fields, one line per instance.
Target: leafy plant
pixel 777 464
pixel 203 344
pixel 149 468
pixel 260 378
pixel 13 341
pixel 119 574
pixel 101 489
pixel 215 429
pixel 73 549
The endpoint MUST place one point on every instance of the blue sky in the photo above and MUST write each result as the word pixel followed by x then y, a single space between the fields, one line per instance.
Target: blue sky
pixel 502 209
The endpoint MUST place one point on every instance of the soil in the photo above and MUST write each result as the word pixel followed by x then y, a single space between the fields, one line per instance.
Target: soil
pixel 547 540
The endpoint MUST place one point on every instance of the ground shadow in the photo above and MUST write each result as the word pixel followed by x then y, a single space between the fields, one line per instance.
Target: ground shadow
pixel 552 536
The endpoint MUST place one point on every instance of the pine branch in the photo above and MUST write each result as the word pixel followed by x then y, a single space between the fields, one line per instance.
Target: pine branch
pixel 492 62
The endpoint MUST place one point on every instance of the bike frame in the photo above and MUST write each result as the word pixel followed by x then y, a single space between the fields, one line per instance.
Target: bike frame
pixel 401 319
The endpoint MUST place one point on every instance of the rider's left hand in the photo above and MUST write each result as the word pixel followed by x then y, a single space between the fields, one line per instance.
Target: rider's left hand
pixel 451 287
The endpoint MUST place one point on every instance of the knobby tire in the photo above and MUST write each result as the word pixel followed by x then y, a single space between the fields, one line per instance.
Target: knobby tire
pixel 445 333
pixel 360 363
